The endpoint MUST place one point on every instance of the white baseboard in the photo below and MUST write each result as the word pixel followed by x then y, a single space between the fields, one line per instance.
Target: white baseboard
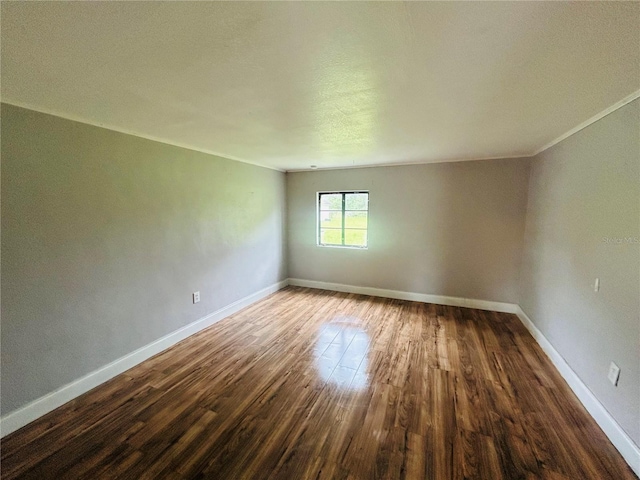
pixel 625 445
pixel 415 297
pixel 30 412
pixel 35 409
pixel 618 437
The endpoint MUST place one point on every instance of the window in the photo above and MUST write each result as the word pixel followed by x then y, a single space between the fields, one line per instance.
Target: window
pixel 343 219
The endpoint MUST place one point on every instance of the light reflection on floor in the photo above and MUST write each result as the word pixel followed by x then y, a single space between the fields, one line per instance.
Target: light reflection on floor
pixel 341 352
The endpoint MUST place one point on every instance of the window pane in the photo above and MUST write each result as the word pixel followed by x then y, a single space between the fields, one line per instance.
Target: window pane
pixel 329 219
pixel 355 238
pixel 330 237
pixel 332 201
pixel 356 201
pixel 355 220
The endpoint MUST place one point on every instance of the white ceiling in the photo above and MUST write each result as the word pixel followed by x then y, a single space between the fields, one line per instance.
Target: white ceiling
pixel 287 85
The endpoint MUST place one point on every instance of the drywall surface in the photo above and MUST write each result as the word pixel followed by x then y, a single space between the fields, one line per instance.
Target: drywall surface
pixel 451 229
pixel 583 223
pixel 104 238
pixel 289 84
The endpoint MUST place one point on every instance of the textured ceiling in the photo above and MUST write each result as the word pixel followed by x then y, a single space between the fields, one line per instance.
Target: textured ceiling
pixel 291 84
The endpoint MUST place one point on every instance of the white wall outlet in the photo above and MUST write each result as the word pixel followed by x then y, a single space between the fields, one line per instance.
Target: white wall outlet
pixel 596 285
pixel 196 297
pixel 614 374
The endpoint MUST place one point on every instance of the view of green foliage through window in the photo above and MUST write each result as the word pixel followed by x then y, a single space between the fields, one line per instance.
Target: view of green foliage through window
pixel 342 219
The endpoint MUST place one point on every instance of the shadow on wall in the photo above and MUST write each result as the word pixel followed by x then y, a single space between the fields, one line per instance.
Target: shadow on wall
pixel 452 229
pixel 110 234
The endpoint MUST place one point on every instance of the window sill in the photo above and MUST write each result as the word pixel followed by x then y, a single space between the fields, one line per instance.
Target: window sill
pixel 347 247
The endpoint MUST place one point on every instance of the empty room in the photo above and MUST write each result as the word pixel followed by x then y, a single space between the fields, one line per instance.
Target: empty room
pixel 320 240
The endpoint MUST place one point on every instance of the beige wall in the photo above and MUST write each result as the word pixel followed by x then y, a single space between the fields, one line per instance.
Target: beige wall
pixel 445 229
pixel 104 238
pixel 582 192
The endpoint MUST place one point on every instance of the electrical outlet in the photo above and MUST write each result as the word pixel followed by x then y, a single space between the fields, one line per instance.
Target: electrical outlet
pixel 196 297
pixel 596 285
pixel 614 374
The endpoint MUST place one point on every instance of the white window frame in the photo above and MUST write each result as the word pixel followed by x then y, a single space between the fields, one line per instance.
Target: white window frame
pixel 318 223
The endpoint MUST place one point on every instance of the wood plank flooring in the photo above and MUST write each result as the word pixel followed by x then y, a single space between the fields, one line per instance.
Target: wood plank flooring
pixel 309 384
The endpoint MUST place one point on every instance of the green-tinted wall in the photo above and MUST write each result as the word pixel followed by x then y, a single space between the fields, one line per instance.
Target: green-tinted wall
pixel 104 238
pixel 583 223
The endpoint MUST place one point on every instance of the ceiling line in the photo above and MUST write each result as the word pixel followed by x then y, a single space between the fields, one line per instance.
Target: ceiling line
pixel 401 164
pixel 585 124
pixel 74 118
pixel 607 111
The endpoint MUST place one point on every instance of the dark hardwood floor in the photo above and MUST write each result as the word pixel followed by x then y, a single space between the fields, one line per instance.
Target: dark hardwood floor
pixel 309 384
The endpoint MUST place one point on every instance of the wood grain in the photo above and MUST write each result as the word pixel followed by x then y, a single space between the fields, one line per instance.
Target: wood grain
pixel 311 384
